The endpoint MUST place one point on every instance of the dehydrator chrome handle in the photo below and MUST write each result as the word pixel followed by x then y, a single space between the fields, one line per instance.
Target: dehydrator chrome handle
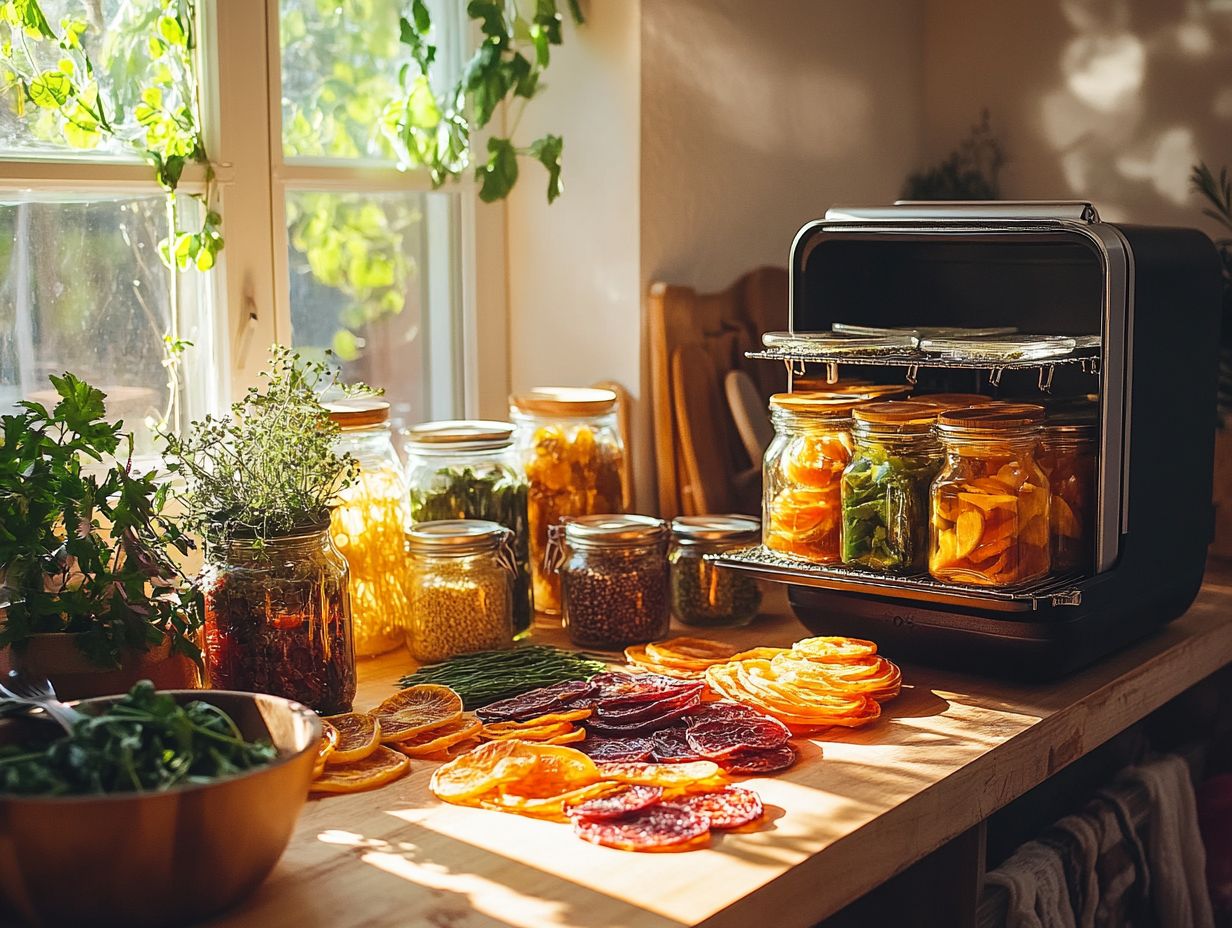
pixel 1071 210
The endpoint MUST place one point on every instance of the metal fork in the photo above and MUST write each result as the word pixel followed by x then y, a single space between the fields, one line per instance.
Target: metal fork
pixel 41 694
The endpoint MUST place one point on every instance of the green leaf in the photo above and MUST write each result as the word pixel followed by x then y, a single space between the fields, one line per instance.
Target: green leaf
pixel 169 28
pixel 50 89
pixel 421 107
pixel 80 135
pixel 345 345
pixel 575 10
pixel 423 19
pixel 491 16
pixel 500 172
pixel 205 259
pixel 547 151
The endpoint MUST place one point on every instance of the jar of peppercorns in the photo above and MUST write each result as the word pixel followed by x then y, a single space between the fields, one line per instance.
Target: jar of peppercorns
pixel 613 579
pixel 703 593
pixel 462 583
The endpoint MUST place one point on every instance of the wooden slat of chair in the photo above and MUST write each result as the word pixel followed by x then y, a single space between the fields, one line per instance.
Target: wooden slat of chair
pixel 626 435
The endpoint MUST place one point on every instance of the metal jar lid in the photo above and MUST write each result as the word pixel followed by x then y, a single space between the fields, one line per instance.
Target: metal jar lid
pixel 727 528
pixel 358 413
pixel 459 435
pixel 451 537
pixel 614 530
pixel 574 402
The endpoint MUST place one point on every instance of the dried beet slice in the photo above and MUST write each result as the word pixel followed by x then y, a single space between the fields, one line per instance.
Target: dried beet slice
pixel 602 726
pixel 719 738
pixel 725 710
pixel 616 804
pixel 627 689
pixel 617 749
pixel 729 807
pixel 537 702
pixel 671 747
pixel 625 714
pixel 657 827
pixel 764 760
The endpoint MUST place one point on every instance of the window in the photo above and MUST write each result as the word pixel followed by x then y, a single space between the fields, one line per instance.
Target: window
pixel 328 245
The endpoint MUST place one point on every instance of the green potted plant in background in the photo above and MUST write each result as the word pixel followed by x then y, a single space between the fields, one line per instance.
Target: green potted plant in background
pixel 91 592
pixel 259 487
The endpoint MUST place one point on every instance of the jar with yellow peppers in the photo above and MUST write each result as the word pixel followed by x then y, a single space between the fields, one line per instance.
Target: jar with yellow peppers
pixel 802 475
pixel 989 505
pixel 368 526
pixel 1067 455
pixel 573 457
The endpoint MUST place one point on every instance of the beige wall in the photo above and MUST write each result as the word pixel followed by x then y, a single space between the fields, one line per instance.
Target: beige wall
pixel 1109 100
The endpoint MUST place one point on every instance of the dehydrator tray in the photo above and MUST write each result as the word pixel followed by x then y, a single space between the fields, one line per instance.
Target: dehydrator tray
pixel 1088 357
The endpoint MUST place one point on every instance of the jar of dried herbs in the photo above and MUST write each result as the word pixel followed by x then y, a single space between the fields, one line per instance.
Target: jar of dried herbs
pixel 704 593
pixel 469 470
pixel 278 619
pixel 613 579
pixel 462 580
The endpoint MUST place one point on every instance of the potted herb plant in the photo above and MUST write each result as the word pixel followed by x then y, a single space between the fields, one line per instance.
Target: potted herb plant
pixel 259 486
pixel 91 594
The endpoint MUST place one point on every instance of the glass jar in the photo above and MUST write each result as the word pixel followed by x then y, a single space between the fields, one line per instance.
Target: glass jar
pixel 1067 455
pixel 278 619
pixel 885 488
pixel 801 474
pixel 614 580
pixel 470 470
pixel 462 574
pixel 573 457
pixel 989 505
pixel 704 593
pixel 368 526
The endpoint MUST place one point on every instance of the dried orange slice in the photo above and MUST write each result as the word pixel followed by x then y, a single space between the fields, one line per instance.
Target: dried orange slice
pixel 359 735
pixel 416 709
pixel 380 767
pixel 329 744
pixel 569 737
pixel 835 648
pixel 572 715
pixel 549 807
pixel 666 775
pixel 684 648
pixel 463 728
pixel 541 733
pixel 481 770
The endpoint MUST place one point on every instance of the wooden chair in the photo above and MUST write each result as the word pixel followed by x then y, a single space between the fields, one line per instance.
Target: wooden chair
pixel 694 340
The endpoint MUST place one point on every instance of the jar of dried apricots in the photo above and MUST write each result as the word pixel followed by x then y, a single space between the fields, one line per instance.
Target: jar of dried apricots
pixel 801 475
pixel 1067 455
pixel 571 451
pixel 989 505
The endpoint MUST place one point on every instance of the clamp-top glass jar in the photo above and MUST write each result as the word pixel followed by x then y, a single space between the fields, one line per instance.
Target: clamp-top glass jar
pixel 461 578
pixel 1068 456
pixel 573 457
pixel 368 525
pixel 801 474
pixel 614 579
pixel 703 593
pixel 470 470
pixel 990 503
pixel 885 487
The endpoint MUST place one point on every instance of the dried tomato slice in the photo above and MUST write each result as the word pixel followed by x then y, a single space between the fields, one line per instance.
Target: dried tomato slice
pixel 730 807
pixel 764 760
pixel 670 747
pixel 616 804
pixel 617 749
pixel 657 827
pixel 719 738
pixel 603 726
pixel 537 702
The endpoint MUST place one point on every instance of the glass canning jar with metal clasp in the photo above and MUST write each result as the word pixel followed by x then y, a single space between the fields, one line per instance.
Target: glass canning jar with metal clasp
pixel 989 505
pixel 885 488
pixel 801 471
pixel 461 580
pixel 703 593
pixel 1068 456
pixel 368 525
pixel 613 579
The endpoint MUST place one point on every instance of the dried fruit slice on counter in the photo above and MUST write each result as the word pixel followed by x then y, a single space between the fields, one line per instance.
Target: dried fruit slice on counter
pixel 539 733
pixel 624 800
pixel 766 760
pixel 549 807
pixel 671 747
pixel 416 709
pixel 618 749
pixel 546 699
pixel 384 765
pixel 481 770
pixel 359 735
pixel 433 740
pixel 720 738
pixel 655 828
pixel 835 648
pixel 730 807
pixel 665 775
pixel 329 744
pixel 569 737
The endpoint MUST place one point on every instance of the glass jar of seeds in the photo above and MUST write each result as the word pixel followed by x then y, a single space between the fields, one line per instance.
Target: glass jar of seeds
pixel 703 593
pixel 462 584
pixel 614 579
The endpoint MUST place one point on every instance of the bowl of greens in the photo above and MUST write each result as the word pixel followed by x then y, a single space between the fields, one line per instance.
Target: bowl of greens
pixel 160 808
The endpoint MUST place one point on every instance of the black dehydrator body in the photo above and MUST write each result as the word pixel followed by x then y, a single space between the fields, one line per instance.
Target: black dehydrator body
pixel 1153 296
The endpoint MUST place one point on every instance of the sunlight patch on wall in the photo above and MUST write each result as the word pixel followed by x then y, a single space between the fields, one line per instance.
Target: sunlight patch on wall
pixel 1104 72
pixel 1165 165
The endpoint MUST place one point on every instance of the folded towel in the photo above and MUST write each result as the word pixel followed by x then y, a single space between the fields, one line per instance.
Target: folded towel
pixel 1034 879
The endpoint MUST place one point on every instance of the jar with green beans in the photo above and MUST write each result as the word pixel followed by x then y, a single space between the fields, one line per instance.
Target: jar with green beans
pixel 885 486
pixel 469 470
pixel 702 592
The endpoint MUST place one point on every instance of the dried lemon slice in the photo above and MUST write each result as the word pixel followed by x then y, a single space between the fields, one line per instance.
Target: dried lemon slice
pixel 465 726
pixel 416 709
pixel 380 767
pixel 359 735
pixel 329 744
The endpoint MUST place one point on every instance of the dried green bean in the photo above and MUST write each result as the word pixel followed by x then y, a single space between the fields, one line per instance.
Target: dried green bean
pixel 483 677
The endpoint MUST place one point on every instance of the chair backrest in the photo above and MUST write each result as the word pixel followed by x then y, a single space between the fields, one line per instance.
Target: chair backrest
pixel 699 458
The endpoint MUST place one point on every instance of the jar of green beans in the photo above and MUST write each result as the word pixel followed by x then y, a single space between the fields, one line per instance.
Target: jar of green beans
pixel 703 593
pixel 468 469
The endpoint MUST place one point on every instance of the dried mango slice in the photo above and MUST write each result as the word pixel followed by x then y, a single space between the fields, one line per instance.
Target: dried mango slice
pixel 969 531
pixel 382 766
pixel 359 735
pixel 569 737
pixel 416 709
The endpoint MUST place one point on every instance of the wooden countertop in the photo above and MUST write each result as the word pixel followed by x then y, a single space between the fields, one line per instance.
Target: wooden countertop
pixel 859 807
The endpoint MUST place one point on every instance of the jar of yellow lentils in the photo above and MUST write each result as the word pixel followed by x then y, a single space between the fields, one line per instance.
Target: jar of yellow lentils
pixel 571 451
pixel 369 523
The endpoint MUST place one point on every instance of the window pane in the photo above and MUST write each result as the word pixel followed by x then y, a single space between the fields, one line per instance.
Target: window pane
pixel 364 270
pixel 83 290
pixel 117 39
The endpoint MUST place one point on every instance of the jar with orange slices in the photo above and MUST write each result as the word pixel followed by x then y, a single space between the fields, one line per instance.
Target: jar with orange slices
pixel 802 474
pixel 989 506
pixel 1067 455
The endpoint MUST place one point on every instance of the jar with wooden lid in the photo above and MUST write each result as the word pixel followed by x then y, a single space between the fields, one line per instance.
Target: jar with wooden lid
pixel 571 451
pixel 885 488
pixel 368 525
pixel 990 503
pixel 703 593
pixel 801 475
pixel 469 469
pixel 614 579
pixel 461 580
pixel 1068 456
pixel 954 400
